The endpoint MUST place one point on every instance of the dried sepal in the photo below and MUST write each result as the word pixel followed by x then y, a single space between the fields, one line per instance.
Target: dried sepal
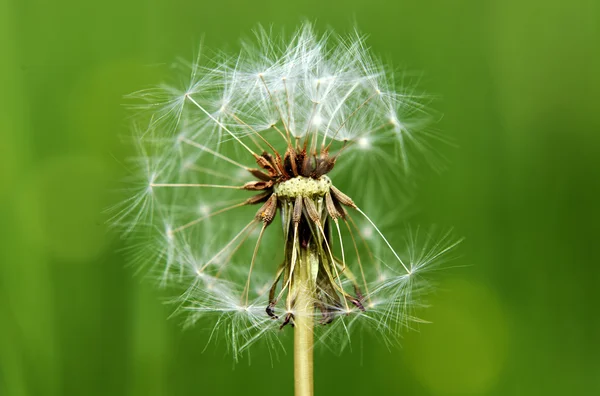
pixel 258 185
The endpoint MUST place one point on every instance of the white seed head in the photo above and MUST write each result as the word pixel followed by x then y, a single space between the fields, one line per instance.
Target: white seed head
pixel 264 128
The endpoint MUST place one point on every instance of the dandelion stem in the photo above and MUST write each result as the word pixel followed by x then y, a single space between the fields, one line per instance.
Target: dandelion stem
pixel 304 325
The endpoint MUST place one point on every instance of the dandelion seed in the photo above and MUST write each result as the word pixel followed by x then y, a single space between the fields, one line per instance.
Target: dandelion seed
pixel 267 129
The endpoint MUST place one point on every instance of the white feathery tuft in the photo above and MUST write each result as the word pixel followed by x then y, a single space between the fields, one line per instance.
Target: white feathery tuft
pixel 188 213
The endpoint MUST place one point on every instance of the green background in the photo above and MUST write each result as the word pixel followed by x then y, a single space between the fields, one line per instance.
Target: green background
pixel 519 86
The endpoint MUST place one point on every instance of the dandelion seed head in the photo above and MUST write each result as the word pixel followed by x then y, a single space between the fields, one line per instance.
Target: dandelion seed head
pixel 305 129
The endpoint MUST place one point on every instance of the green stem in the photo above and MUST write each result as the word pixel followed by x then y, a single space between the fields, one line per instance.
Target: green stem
pixel 303 328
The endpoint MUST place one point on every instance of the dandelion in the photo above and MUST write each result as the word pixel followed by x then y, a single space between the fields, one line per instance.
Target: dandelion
pixel 267 128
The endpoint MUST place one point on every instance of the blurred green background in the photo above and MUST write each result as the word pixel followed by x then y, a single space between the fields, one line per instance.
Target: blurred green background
pixel 520 85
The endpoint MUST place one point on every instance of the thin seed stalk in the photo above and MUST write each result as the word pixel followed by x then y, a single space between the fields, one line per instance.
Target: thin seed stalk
pixel 304 324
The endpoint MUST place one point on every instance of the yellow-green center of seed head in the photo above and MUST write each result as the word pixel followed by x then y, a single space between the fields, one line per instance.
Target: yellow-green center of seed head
pixel 303 186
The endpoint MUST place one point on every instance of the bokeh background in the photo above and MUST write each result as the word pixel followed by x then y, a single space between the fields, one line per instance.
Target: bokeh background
pixel 517 314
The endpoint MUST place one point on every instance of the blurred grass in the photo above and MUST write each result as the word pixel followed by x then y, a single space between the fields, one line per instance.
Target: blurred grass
pixel 519 84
